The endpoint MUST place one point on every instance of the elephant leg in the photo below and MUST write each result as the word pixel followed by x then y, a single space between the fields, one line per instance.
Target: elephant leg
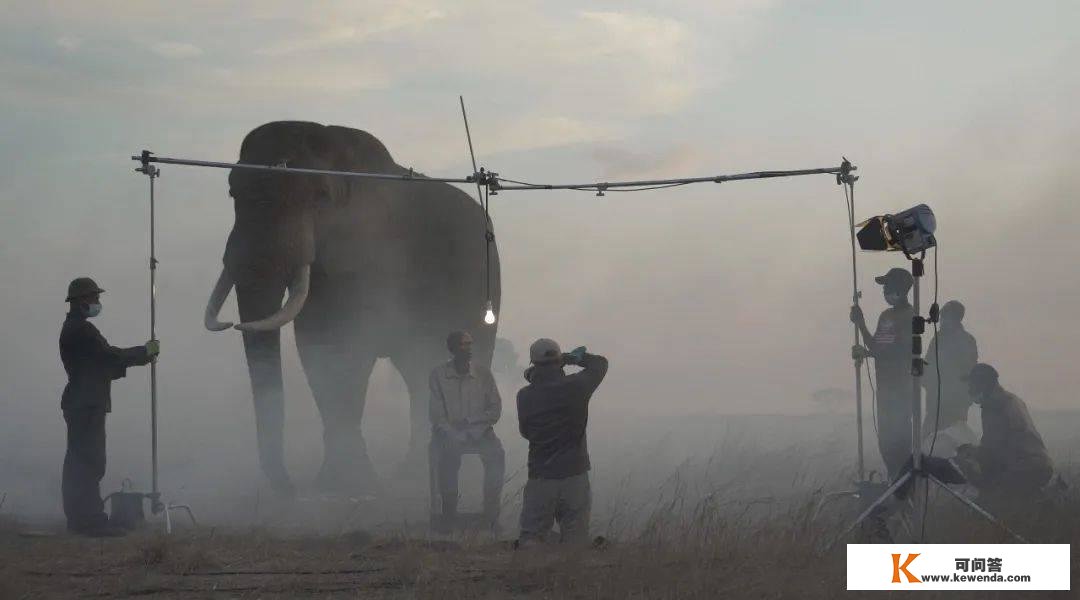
pixel 415 365
pixel 338 374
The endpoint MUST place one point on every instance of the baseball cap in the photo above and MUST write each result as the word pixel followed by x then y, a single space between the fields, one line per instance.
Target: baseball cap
pixel 81 287
pixel 896 277
pixel 544 350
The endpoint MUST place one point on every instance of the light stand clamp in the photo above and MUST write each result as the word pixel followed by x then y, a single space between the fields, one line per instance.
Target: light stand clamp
pixel 845 175
pixel 486 179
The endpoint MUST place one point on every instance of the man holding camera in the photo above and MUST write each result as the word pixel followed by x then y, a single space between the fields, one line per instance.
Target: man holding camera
pixel 553 414
pixel 890 347
pixel 91 365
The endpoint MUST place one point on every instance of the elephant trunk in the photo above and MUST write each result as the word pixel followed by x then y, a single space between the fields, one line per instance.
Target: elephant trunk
pixel 217 299
pixel 298 293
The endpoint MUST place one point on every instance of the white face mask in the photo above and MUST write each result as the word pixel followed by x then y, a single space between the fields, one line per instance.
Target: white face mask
pixel 93 310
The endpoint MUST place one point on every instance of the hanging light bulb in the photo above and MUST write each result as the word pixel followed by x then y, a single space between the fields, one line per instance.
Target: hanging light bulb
pixel 489 315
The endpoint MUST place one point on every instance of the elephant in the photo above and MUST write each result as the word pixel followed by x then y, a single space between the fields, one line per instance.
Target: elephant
pixel 374 269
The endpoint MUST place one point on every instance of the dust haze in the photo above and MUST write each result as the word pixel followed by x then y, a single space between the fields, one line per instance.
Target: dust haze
pixel 723 308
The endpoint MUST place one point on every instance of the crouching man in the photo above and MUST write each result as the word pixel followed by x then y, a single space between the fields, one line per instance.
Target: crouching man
pixel 465 405
pixel 553 412
pixel 1010 466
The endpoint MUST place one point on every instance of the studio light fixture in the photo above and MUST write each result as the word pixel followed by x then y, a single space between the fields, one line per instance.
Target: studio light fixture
pixel 910 231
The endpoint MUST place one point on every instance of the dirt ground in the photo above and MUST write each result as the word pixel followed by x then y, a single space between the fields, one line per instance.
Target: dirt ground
pixel 735 521
pixel 703 553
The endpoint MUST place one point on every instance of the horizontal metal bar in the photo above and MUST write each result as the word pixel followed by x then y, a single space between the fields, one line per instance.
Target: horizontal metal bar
pixel 303 171
pixel 494 180
pixel 651 182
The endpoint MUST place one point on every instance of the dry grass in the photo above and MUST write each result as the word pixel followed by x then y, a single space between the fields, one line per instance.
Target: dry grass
pixel 682 549
pixel 735 525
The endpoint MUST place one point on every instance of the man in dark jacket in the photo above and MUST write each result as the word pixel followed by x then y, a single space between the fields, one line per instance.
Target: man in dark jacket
pixel 91 365
pixel 1010 466
pixel 553 413
pixel 957 352
pixel 890 347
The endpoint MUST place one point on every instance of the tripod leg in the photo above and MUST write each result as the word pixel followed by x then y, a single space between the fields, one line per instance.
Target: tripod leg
pixel 870 509
pixel 829 498
pixel 905 522
pixel 186 509
pixel 978 509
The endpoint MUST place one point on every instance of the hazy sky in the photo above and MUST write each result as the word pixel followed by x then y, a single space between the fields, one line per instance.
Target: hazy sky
pixel 730 298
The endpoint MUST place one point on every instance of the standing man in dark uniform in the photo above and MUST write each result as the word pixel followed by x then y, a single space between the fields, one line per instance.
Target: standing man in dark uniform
pixel 91 365
pixel 958 353
pixel 890 347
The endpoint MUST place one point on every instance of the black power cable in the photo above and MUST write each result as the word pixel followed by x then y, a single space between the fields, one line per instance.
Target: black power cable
pixel 937 353
pixel 935 314
pixel 601 188
pixel 637 189
pixel 873 397
pixel 489 237
pixel 482 192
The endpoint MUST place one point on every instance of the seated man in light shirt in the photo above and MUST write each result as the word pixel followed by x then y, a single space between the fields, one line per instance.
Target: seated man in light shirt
pixel 465 405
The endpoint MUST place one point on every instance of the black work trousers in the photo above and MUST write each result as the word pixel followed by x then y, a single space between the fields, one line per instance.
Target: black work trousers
pixel 84 466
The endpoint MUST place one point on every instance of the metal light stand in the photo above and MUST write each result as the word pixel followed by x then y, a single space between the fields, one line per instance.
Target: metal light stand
pixel 863 487
pixel 154 496
pixel 916 470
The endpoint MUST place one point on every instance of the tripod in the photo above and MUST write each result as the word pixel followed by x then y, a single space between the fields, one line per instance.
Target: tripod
pixel 918 326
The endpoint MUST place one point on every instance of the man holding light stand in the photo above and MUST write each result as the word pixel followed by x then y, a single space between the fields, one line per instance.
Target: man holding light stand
pixel 911 232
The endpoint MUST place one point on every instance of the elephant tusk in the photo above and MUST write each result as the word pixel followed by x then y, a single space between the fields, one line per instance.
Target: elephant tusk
pixel 298 293
pixel 217 299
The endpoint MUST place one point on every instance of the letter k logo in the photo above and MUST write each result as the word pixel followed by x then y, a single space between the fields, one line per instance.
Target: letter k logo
pixel 897 567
